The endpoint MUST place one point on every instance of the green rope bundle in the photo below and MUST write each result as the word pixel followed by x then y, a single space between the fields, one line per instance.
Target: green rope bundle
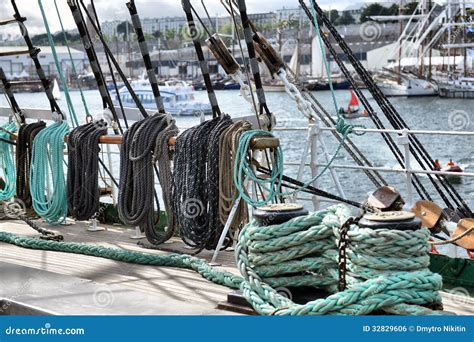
pixel 289 255
pixel 7 163
pixel 49 193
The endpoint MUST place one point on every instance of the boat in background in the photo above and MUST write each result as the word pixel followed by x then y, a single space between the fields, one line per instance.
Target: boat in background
pixel 56 90
pixel 353 109
pixel 178 98
pixel 393 83
pixel 461 87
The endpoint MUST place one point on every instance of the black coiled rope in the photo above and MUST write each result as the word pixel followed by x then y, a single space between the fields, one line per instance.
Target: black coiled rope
pixel 195 196
pixel 83 198
pixel 24 148
pixel 143 144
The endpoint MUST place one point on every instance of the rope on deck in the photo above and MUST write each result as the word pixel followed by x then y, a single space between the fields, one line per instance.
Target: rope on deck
pixel 302 252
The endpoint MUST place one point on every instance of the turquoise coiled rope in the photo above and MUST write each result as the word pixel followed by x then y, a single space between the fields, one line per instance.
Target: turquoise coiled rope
pixel 49 194
pixel 7 163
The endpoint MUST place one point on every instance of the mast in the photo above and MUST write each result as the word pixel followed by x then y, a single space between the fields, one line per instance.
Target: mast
pixel 400 12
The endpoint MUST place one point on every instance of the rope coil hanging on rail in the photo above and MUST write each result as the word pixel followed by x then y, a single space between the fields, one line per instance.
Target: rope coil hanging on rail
pixel 144 143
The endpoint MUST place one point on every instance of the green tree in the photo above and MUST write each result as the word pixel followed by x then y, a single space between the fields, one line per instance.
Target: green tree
pixel 345 19
pixel 377 9
pixel 333 15
pixel 410 8
pixel 122 29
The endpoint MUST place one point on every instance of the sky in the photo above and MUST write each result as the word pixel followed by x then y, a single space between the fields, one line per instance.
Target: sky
pixel 116 10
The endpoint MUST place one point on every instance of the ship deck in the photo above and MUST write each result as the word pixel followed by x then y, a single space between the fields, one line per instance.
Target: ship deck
pixel 76 284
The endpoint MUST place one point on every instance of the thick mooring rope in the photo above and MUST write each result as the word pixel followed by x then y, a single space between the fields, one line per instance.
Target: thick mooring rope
pixel 195 196
pixel 264 253
pixel 144 143
pixel 7 163
pixel 294 253
pixel 83 192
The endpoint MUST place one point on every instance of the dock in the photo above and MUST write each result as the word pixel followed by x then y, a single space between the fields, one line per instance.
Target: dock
pixel 62 283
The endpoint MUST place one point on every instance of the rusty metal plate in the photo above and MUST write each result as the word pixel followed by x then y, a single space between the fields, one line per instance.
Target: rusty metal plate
pixel 428 212
pixel 384 197
pixel 468 240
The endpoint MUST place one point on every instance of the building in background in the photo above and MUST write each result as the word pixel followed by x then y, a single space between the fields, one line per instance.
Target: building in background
pixel 22 66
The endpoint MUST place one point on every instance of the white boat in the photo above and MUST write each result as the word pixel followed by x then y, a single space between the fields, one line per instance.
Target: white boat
pixel 178 98
pixel 402 84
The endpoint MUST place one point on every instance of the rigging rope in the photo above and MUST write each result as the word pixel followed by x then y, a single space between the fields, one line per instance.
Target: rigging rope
pixel 144 143
pixel 65 88
pixel 73 66
pixel 416 148
pixel 195 195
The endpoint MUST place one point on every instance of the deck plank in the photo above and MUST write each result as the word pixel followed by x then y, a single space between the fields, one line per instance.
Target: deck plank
pixel 177 284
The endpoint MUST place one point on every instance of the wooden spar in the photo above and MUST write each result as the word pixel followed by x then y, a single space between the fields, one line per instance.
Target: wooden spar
pixel 256 143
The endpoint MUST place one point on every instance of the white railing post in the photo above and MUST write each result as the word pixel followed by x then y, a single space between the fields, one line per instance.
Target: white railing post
pixel 405 142
pixel 313 138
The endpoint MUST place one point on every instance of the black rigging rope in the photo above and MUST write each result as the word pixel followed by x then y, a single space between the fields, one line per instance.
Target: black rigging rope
pixel 33 52
pixel 146 55
pixel 194 33
pixel 94 63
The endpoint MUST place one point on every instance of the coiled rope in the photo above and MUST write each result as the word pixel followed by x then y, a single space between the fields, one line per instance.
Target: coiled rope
pixel 49 194
pixel 228 145
pixel 195 196
pixel 283 255
pixel 144 143
pixel 272 183
pixel 24 149
pixel 83 192
pixel 6 162
pixel 295 253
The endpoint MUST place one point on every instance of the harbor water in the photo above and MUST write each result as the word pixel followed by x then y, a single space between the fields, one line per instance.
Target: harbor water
pixel 426 113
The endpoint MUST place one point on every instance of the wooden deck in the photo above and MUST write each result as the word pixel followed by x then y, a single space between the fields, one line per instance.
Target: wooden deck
pixel 164 284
